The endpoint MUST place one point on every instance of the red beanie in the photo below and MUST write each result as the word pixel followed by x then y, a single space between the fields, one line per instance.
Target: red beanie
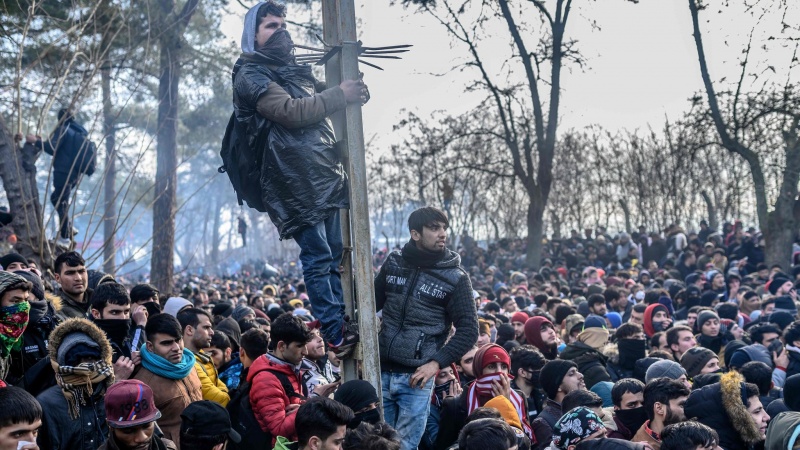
pixel 488 354
pixel 533 332
pixel 520 317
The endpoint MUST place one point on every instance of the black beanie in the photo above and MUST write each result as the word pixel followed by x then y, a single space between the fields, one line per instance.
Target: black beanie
pixel 38 286
pixel 357 394
pixel 7 260
pixel 222 309
pixel 791 392
pixel 552 375
pixel 695 359
pixel 777 281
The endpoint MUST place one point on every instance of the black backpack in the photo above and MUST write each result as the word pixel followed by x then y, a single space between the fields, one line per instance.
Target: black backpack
pixel 242 163
pixel 243 419
pixel 87 152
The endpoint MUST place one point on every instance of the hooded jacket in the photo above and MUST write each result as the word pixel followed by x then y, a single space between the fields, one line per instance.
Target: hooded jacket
pixel 213 388
pixel 783 431
pixel 419 305
pixel 591 363
pixel 280 116
pixel 66 145
pixel 736 428
pixel 90 429
pixel 649 329
pixel 269 400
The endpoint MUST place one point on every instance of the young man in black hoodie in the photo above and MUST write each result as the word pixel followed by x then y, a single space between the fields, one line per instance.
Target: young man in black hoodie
pixel 278 108
pixel 422 292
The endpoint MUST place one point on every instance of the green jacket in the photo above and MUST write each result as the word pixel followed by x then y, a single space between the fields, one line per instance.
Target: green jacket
pixel 281 443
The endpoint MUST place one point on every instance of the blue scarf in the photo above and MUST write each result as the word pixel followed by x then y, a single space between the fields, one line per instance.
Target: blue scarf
pixel 166 369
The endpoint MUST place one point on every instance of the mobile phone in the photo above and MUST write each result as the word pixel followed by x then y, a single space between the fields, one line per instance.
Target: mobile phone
pixel 776 347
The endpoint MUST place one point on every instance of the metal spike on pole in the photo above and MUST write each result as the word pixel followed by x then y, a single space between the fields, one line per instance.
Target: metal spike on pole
pixel 339 26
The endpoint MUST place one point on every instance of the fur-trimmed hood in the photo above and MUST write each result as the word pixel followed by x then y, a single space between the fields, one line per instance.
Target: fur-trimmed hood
pixel 82 326
pixel 735 426
pixel 54 300
pixel 611 351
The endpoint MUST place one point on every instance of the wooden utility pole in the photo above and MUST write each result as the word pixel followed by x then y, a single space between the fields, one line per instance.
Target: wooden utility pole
pixel 339 25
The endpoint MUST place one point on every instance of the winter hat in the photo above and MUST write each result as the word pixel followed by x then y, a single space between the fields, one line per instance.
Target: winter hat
pixel 781 318
pixel 708 297
pixel 776 282
pixel 583 308
pixel 175 304
pixel 520 317
pixel 552 375
pixel 785 303
pixel 38 287
pixel 666 301
pixel 506 409
pixel 731 348
pixel 8 280
pixel 711 274
pixel 129 403
pixel 594 337
pixel 703 317
pixel 574 426
pixel 594 322
pixel 664 368
pixel 74 346
pixel 231 329
pixel 533 331
pixel 11 258
pixel 603 389
pixel 615 318
pixel 356 394
pixel 572 321
pixel 223 309
pixel 562 312
pixel 791 392
pixel 695 359
pixel 489 353
pixel 691 278
pixel 240 311
pixel 751 353
pixel 505 332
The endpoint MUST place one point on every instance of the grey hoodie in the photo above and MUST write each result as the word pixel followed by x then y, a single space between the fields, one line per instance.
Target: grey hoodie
pixel 249 32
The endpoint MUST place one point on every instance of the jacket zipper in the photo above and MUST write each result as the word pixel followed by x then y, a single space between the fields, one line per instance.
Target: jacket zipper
pixel 403 318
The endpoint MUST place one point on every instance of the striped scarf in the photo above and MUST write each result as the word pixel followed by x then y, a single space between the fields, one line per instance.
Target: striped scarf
pixel 482 388
pixel 78 382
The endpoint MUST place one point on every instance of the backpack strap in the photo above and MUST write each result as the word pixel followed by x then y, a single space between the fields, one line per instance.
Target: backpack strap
pixel 287 385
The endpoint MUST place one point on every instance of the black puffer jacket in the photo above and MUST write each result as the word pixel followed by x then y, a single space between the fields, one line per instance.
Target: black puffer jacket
pixel 419 305
pixel 66 144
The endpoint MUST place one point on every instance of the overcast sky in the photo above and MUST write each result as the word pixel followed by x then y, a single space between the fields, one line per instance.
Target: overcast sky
pixel 642 63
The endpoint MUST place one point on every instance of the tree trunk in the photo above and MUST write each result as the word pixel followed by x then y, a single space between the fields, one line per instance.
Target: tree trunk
pixel 781 224
pixel 109 177
pixel 18 172
pixel 626 211
pixel 711 210
pixel 535 224
pixel 171 48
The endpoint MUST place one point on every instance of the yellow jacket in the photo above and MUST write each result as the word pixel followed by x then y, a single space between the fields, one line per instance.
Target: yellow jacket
pixel 213 388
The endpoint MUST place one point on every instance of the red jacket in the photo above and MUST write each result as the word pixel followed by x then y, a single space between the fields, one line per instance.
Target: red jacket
pixel 268 399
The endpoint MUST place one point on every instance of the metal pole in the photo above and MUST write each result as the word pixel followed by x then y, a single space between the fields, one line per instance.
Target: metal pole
pixel 339 25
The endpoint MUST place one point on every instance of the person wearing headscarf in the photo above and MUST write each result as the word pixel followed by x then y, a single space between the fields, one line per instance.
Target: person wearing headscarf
pixel 361 397
pixel 14 316
pixel 492 378
pixel 577 425
pixel 541 333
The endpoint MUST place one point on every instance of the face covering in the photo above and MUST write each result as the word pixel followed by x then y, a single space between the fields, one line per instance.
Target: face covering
pixel 116 329
pixel 630 351
pixel 659 326
pixel 483 386
pixel 13 320
pixel 632 418
pixel 279 48
pixel 372 417
pixel 152 308
pixel 440 390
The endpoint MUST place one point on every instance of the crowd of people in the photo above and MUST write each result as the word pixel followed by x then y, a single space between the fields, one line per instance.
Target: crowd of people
pixel 477 351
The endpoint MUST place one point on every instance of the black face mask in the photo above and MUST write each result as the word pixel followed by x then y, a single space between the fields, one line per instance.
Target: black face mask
pixel 116 329
pixel 632 418
pixel 152 308
pixel 372 416
pixel 630 351
pixel 279 48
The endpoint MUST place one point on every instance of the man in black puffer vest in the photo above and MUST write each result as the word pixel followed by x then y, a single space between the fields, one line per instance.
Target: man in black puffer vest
pixel 422 292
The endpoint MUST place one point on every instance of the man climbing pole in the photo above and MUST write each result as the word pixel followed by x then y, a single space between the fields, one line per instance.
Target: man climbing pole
pixel 282 110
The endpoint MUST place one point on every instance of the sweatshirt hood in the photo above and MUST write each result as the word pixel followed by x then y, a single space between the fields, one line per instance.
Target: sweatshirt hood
pixel 249 31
